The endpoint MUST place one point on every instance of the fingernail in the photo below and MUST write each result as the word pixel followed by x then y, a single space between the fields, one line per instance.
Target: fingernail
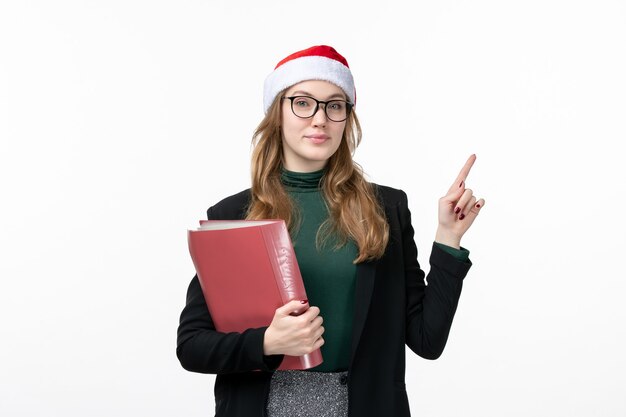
pixel 304 301
pixel 462 216
pixel 477 205
pixel 456 210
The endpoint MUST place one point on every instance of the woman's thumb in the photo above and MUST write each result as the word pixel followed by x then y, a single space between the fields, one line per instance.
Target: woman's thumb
pixel 294 307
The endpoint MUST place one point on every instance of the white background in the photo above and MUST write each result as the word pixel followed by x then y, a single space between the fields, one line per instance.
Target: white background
pixel 122 121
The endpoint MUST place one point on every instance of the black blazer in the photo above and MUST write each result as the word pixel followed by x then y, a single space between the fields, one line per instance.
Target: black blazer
pixel 393 307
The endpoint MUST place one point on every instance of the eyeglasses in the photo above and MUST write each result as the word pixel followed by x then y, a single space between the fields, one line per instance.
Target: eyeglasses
pixel 306 107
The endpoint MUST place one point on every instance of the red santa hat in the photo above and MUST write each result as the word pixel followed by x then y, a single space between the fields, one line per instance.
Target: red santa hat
pixel 315 63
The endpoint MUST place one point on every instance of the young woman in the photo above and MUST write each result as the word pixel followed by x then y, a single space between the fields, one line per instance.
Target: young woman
pixel 355 249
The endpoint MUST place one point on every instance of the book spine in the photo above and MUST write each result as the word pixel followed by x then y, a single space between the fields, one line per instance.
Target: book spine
pixel 283 261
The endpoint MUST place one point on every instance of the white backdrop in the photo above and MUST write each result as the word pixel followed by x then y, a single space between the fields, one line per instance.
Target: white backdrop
pixel 122 121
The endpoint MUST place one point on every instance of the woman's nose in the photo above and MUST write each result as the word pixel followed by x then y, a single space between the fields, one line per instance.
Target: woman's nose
pixel 319 118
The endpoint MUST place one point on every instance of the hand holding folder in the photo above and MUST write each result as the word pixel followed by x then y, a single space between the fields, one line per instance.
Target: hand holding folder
pixel 247 269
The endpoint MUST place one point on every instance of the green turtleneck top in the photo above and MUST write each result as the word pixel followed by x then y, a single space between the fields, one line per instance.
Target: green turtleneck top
pixel 328 273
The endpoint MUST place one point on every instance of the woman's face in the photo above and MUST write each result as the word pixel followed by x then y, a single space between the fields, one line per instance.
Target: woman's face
pixel 308 143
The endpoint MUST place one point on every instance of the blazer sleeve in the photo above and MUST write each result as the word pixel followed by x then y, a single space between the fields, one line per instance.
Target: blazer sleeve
pixel 430 305
pixel 201 348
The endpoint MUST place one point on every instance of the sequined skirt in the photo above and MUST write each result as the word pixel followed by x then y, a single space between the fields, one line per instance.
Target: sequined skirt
pixel 307 393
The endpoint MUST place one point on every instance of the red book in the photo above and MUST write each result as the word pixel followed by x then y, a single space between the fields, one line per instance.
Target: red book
pixel 247 269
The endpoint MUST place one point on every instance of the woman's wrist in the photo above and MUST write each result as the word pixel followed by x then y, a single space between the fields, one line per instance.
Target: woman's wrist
pixel 447 238
pixel 267 344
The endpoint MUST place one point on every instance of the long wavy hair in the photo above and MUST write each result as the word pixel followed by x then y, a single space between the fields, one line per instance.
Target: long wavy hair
pixel 355 212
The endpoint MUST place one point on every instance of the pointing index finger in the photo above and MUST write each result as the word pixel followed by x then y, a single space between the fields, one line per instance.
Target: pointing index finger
pixel 464 171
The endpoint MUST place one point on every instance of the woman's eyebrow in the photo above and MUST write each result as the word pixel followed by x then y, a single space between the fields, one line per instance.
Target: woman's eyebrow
pixel 306 93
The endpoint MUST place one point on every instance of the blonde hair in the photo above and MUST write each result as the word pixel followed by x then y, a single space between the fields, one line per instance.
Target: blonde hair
pixel 355 212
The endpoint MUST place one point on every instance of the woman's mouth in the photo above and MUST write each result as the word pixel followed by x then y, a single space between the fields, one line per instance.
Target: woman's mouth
pixel 318 138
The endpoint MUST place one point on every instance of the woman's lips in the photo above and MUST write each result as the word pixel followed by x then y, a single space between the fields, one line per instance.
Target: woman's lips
pixel 318 138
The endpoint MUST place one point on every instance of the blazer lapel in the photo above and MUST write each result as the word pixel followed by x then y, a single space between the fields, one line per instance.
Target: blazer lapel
pixel 365 274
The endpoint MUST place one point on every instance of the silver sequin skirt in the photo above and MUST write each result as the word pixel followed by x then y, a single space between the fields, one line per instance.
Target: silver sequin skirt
pixel 307 393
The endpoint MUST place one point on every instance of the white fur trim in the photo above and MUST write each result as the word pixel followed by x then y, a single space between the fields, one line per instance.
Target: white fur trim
pixel 307 68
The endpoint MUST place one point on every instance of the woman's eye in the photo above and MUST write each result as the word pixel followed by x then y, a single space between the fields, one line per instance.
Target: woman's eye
pixel 302 103
pixel 336 105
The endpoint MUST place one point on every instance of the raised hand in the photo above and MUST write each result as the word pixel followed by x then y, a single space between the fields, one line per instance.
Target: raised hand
pixel 458 209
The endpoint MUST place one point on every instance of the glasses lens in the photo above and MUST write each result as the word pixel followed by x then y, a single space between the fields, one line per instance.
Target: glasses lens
pixel 337 110
pixel 303 106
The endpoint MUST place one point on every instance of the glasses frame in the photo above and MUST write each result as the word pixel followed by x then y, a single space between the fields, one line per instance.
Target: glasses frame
pixel 317 107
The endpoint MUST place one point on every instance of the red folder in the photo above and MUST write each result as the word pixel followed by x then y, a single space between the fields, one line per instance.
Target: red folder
pixel 247 269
